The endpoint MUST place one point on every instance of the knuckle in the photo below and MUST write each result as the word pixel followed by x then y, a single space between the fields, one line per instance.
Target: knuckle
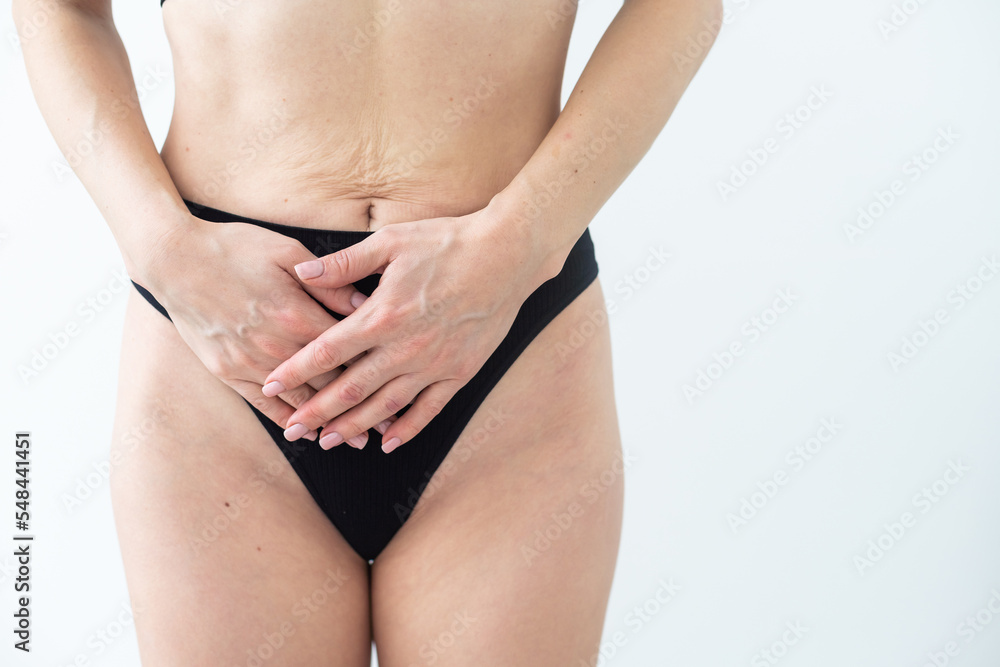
pixel 393 404
pixel 382 319
pixel 217 366
pixel 285 317
pixel 262 404
pixel 269 346
pixel 350 393
pixel 297 396
pixel 433 407
pixel 385 234
pixel 367 375
pixel 420 338
pixel 323 355
pixel 341 260
pixel 382 360
pixel 312 415
pixel 292 253
pixel 296 327
pixel 243 360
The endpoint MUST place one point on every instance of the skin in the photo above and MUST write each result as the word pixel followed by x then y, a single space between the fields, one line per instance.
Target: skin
pixel 441 132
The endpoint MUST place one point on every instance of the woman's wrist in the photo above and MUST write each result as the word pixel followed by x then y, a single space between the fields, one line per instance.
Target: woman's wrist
pixel 544 242
pixel 164 256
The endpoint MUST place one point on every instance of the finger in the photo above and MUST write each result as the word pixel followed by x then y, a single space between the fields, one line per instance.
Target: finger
pixel 382 425
pixel 343 300
pixel 385 423
pixel 317 383
pixel 291 308
pixel 336 440
pixel 276 409
pixel 338 371
pixel 297 398
pixel 429 403
pixel 359 441
pixel 353 386
pixel 321 381
pixel 347 266
pixel 355 358
pixel 380 406
pixel 332 348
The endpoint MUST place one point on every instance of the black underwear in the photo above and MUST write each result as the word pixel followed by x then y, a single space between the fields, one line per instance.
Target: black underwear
pixel 366 493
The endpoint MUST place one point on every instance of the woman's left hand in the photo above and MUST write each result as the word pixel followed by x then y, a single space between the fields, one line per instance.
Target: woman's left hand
pixel 449 292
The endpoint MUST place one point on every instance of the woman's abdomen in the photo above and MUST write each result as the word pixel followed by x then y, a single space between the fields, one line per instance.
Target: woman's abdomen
pixel 352 115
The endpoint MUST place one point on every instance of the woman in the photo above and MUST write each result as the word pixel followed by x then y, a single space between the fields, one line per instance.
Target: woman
pixel 318 150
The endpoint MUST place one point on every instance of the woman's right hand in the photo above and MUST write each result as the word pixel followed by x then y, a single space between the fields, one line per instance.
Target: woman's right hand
pixel 231 291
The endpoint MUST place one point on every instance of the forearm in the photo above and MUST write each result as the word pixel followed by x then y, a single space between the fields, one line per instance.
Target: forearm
pixel 82 82
pixel 621 102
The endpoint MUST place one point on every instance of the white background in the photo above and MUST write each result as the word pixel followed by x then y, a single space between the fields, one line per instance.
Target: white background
pixel 826 357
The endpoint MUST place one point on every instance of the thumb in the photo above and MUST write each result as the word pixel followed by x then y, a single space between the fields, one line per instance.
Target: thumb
pixel 345 266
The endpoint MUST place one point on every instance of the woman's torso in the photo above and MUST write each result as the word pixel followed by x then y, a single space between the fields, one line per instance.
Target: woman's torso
pixel 354 114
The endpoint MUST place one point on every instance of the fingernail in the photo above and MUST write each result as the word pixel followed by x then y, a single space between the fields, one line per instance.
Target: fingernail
pixel 311 435
pixel 382 426
pixel 331 439
pixel 358 441
pixel 309 269
pixel 272 388
pixel 391 444
pixel 357 299
pixel 295 431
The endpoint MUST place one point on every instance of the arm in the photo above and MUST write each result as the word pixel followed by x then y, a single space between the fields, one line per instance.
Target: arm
pixel 83 84
pixel 625 95
pixel 623 98
pixel 82 81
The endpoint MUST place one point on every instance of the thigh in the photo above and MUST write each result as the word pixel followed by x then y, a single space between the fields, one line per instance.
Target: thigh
pixel 227 557
pixel 509 555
